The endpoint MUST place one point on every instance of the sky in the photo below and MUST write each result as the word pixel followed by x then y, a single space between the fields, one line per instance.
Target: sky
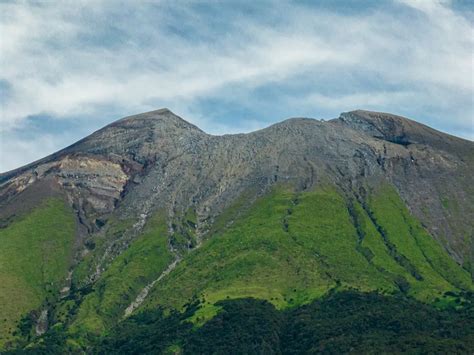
pixel 67 68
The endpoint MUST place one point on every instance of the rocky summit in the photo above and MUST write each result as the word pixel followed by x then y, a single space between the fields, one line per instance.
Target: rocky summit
pixel 151 214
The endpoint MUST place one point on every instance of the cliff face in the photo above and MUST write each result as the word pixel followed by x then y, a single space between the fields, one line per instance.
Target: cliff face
pixel 156 160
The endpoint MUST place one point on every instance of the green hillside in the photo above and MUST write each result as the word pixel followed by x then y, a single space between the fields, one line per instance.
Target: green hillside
pixel 338 323
pixel 290 248
pixel 287 248
pixel 35 254
pixel 118 286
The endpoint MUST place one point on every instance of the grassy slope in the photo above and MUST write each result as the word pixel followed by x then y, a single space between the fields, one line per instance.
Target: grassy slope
pixel 438 271
pixel 254 257
pixel 290 249
pixel 34 257
pixel 339 323
pixel 118 286
pixel 114 230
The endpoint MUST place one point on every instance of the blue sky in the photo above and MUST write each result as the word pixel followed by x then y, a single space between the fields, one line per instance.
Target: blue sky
pixel 68 68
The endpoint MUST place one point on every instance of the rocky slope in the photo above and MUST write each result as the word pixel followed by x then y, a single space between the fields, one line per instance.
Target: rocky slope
pixel 157 169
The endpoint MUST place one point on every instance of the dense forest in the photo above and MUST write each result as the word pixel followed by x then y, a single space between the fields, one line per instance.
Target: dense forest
pixel 341 322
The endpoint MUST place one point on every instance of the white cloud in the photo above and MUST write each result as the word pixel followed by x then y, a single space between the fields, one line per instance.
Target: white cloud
pixel 29 149
pixel 74 58
pixel 353 101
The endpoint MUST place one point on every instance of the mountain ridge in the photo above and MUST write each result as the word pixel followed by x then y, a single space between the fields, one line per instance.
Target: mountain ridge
pixel 159 113
pixel 155 201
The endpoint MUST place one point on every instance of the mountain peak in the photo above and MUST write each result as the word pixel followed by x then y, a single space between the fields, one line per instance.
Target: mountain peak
pixel 158 113
pixel 162 118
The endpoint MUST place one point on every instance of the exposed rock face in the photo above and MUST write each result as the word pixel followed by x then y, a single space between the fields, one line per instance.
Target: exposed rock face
pixel 431 170
pixel 156 160
pixel 94 186
pixel 42 323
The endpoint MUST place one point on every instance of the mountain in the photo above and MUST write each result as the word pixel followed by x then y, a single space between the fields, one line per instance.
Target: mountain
pixel 151 214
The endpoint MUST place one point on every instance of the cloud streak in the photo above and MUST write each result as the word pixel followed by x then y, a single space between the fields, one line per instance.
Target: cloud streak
pixel 227 67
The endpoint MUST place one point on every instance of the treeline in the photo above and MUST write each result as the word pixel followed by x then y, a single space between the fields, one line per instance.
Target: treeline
pixel 340 323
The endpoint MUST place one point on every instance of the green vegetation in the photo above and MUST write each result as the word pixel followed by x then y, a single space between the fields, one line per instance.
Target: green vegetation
pixel 372 323
pixel 433 271
pixel 114 229
pixel 321 222
pixel 35 255
pixel 128 274
pixel 238 208
pixel 290 248
pixel 254 257
pixel 284 251
pixel 339 323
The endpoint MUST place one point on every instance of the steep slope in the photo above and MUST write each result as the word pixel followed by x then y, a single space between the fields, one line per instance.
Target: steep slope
pixel 432 172
pixel 35 256
pixel 292 248
pixel 166 214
